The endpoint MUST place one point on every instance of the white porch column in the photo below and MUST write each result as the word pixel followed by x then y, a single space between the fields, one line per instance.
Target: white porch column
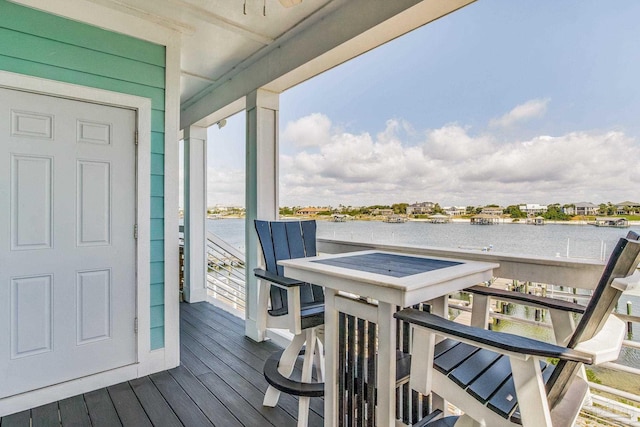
pixel 195 213
pixel 261 188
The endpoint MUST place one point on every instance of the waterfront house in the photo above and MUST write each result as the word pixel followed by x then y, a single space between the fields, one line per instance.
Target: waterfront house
pixel 116 85
pixel 420 208
pixel 492 210
pixel 309 211
pixel 386 212
pixel 533 208
pixel 627 208
pixel 455 210
pixel 581 209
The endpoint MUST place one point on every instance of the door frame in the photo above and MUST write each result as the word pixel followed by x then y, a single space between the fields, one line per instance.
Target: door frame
pixel 147 361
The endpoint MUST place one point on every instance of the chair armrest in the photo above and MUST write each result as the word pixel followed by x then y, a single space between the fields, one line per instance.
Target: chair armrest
pixel 496 341
pixel 531 300
pixel 629 284
pixel 605 345
pixel 275 279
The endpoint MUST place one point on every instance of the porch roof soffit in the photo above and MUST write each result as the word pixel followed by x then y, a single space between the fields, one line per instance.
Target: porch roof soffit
pixel 346 32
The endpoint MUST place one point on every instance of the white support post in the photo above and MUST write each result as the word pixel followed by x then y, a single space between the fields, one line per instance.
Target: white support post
pixel 195 214
pixel 261 190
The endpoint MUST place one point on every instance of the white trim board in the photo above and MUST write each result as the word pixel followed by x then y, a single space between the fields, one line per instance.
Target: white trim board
pixel 147 361
pixel 171 177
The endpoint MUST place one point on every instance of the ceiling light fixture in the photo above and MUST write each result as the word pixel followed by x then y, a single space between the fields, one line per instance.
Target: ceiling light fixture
pixel 289 3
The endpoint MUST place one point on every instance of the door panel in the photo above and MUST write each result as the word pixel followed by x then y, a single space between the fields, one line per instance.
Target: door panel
pixel 67 246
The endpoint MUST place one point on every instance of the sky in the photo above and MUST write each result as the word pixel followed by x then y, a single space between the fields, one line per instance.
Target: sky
pixel 502 102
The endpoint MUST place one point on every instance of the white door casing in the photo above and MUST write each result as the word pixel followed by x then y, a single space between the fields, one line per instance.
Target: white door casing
pixel 67 247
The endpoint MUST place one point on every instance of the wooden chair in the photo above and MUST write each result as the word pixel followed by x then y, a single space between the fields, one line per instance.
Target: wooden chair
pixel 293 305
pixel 506 378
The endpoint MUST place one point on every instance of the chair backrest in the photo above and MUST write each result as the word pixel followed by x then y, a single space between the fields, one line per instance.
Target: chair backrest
pixel 282 240
pixel 623 261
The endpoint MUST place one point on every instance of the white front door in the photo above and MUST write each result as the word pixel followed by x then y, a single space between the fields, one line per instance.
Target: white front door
pixel 67 245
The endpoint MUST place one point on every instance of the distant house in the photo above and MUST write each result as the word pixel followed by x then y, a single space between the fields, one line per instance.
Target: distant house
pixel 493 210
pixel 533 209
pixel 582 208
pixel 309 211
pixel 630 208
pixel 455 210
pixel 386 212
pixel 420 208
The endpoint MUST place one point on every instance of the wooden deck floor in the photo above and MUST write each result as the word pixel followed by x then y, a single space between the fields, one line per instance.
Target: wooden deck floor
pixel 219 383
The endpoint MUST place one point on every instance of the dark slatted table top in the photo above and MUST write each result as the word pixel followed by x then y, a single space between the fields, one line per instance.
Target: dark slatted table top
pixel 388 264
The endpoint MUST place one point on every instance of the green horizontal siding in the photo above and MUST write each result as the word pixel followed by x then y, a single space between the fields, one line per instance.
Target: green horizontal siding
pixel 157 142
pixel 50 52
pixel 157 185
pixel 157 336
pixel 42 45
pixel 157 229
pixel 157 207
pixel 157 294
pixel 157 250
pixel 157 164
pixel 157 272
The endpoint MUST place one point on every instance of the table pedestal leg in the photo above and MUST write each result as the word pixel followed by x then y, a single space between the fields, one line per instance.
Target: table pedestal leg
pixel 331 359
pixel 386 369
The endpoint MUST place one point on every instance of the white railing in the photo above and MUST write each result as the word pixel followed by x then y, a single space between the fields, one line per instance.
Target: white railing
pixel 226 278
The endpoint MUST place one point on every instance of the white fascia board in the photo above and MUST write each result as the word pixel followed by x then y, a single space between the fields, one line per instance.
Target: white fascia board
pixel 104 17
pixel 354 29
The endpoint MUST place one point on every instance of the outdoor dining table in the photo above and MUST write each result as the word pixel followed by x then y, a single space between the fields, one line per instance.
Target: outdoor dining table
pixel 391 281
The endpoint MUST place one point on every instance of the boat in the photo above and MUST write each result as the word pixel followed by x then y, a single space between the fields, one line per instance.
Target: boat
pixel 339 218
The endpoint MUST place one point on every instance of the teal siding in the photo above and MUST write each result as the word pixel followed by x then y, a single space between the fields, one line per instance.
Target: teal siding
pixel 38 44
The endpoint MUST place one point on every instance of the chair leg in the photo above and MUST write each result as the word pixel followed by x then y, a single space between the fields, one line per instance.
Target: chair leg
pixel 313 353
pixel 303 411
pixel 271 397
pixel 319 360
pixel 307 368
pixel 285 367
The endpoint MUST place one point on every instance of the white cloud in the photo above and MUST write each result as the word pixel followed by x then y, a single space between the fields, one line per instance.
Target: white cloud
pixel 534 108
pixel 225 186
pixel 453 166
pixel 309 131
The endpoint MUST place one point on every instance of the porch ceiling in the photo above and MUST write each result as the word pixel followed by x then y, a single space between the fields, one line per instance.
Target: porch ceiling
pixel 231 47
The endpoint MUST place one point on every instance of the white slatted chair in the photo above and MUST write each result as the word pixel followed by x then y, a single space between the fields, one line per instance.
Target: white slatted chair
pixel 500 379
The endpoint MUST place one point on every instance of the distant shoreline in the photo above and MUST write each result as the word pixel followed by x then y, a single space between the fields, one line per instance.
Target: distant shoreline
pixel 426 220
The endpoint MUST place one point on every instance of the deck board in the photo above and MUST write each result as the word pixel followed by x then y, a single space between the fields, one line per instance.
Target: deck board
pixel 73 412
pixel 157 409
pixel 101 410
pixel 45 416
pixel 219 383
